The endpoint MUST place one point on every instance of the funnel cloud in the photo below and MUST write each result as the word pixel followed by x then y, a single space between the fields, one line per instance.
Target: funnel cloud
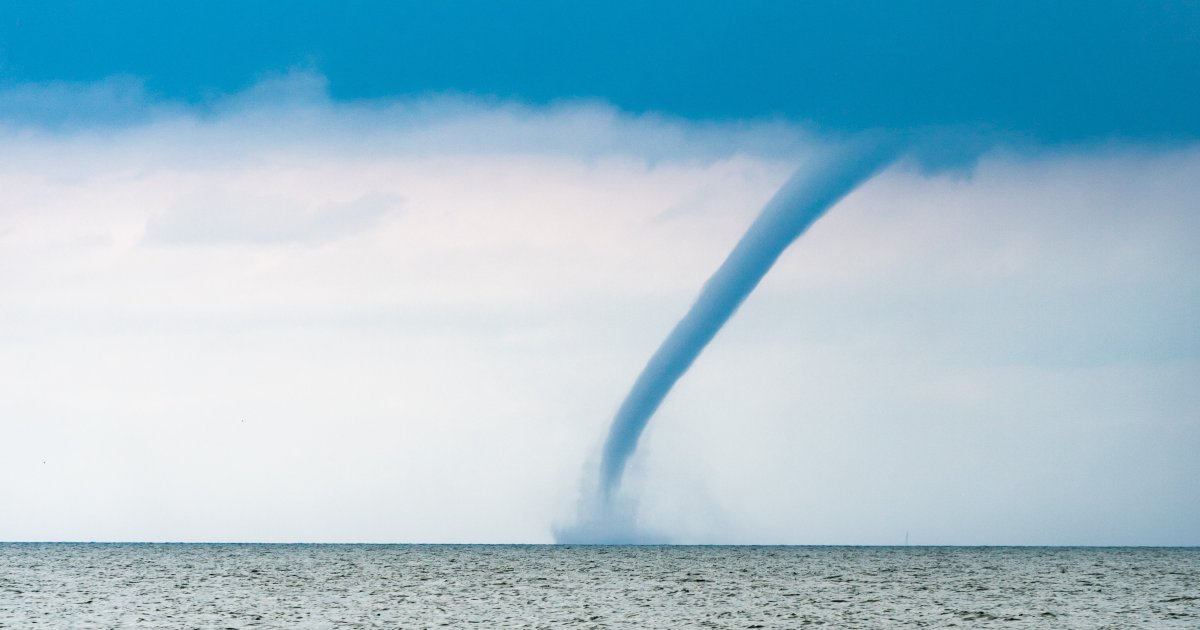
pixel 802 199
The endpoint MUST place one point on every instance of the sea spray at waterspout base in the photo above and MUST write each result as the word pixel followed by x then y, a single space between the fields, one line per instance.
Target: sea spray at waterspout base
pixel 799 202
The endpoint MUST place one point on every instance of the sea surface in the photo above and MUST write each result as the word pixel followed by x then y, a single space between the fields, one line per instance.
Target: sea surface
pixel 61 585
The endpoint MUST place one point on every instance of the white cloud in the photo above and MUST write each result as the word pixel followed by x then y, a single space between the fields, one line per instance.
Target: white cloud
pixel 218 216
pixel 277 318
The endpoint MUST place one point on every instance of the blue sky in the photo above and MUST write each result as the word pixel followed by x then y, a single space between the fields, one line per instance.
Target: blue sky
pixel 289 272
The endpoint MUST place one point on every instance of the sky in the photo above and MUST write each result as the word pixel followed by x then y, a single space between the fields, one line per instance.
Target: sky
pixel 384 272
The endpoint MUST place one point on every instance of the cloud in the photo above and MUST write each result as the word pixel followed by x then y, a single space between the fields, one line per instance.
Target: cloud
pixel 426 311
pixel 1059 74
pixel 212 217
pixel 119 100
pixel 294 110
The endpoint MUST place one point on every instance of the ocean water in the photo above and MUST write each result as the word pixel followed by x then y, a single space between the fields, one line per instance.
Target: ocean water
pixel 417 586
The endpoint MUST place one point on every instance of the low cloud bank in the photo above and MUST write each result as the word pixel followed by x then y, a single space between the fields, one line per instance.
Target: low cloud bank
pixel 274 317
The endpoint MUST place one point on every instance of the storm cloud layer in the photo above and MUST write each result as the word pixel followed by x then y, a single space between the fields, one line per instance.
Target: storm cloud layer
pixel 1053 72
